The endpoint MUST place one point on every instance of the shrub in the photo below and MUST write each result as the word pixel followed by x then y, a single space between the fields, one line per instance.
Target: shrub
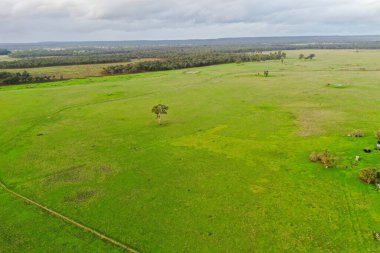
pixel 376 236
pixel 327 159
pixel 368 175
pixel 357 133
pixel 324 158
pixel 377 134
pixel 314 157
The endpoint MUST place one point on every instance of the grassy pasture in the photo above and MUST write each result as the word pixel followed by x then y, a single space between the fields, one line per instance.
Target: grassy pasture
pixel 226 172
pixel 6 58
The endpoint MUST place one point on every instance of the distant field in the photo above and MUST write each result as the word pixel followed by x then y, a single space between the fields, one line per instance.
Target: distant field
pixel 228 170
pixel 6 58
pixel 68 72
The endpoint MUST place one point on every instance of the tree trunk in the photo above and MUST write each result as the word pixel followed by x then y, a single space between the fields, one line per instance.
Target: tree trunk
pixel 159 118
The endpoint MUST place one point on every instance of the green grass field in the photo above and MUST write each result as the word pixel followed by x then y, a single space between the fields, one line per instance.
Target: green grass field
pixel 228 170
pixel 6 58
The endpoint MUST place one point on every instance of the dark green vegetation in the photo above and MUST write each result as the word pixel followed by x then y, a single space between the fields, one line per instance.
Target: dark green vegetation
pixel 62 61
pixel 167 63
pixel 4 51
pixel 62 57
pixel 22 78
pixel 158 110
pixel 189 61
pixel 227 171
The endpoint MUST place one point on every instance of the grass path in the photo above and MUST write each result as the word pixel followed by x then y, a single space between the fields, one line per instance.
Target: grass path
pixel 71 221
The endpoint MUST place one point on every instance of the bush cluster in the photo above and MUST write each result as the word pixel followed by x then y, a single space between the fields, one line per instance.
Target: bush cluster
pixel 325 158
pixel 368 175
pixel 357 133
pixel 22 77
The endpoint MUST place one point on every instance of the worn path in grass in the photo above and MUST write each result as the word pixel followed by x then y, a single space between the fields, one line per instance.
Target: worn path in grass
pixel 68 220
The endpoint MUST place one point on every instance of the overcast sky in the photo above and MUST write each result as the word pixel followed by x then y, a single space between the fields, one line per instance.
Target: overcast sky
pixel 73 20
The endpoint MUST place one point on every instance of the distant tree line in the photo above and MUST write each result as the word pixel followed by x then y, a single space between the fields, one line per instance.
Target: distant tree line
pixel 46 58
pixel 62 61
pixel 158 51
pixel 138 52
pixel 166 63
pixel 22 78
pixel 4 51
pixel 189 61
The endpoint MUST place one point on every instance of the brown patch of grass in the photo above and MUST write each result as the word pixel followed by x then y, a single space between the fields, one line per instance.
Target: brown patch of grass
pixel 81 196
pixel 69 175
pixel 357 133
pixel 104 169
pixel 315 121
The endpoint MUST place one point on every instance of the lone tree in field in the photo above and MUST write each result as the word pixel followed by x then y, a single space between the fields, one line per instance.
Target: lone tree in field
pixel 159 110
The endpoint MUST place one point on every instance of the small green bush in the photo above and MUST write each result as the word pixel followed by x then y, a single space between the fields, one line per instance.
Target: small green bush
pixel 357 133
pixel 368 175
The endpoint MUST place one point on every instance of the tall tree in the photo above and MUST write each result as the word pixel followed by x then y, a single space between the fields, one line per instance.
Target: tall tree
pixel 159 110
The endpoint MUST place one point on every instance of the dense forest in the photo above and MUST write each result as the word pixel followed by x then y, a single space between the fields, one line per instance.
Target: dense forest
pixel 167 63
pixel 63 61
pixel 22 77
pixel 189 61
pixel 46 58
pixel 4 51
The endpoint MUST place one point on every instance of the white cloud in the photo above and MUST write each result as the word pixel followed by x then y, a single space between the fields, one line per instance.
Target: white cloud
pixel 42 20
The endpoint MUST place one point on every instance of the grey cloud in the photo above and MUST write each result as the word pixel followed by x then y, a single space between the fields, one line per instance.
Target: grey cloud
pixel 41 20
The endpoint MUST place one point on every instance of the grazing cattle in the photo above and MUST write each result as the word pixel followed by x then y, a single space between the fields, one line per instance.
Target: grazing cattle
pixel 357 158
pixel 367 150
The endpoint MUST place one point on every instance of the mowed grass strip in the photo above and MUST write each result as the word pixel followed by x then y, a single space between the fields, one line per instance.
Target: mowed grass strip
pixel 228 169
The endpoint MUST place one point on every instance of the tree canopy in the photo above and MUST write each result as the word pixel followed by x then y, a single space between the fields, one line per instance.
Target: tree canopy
pixel 159 110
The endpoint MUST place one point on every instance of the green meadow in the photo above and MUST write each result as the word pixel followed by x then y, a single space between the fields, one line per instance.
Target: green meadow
pixel 227 171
